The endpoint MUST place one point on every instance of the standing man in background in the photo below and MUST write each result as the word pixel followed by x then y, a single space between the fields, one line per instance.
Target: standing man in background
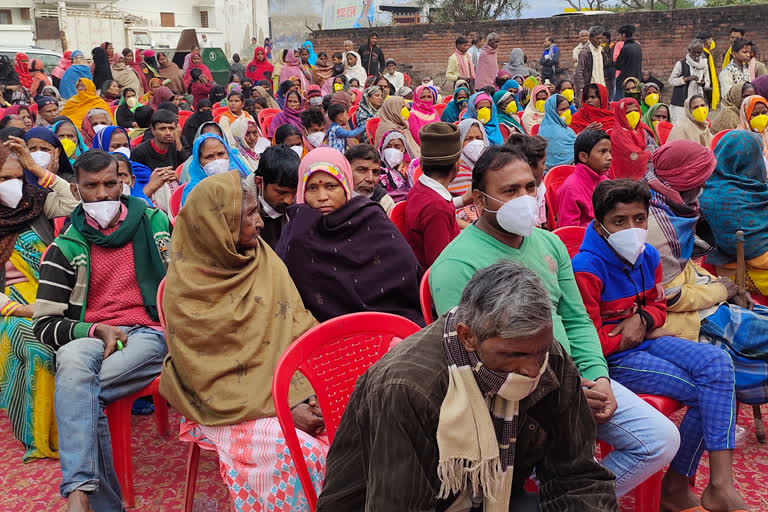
pixel 583 40
pixel 736 33
pixel 488 63
pixel 474 51
pixel 589 67
pixel 712 93
pixel 460 65
pixel 371 56
pixel 550 60
pixel 630 60
pixel 609 70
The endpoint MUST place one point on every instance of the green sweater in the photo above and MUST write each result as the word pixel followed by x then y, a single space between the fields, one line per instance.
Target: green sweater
pixel 546 256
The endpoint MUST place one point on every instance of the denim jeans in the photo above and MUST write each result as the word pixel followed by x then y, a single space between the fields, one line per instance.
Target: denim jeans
pixel 643 440
pixel 84 385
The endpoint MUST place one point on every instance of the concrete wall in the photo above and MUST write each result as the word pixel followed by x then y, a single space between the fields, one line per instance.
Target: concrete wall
pixel 664 36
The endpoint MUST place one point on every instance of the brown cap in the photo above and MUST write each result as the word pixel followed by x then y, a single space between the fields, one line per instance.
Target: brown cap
pixel 440 143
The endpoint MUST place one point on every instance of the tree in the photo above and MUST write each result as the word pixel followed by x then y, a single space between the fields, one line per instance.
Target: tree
pixel 457 11
pixel 655 5
pixel 723 3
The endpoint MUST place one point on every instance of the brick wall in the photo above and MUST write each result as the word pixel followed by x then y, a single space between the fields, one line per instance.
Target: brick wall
pixel 422 50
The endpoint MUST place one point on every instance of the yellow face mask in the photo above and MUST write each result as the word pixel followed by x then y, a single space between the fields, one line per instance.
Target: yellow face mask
pixel 511 108
pixel 69 147
pixel 759 123
pixel 568 94
pixel 712 45
pixel 652 99
pixel 655 125
pixel 566 116
pixel 484 115
pixel 405 113
pixel 337 87
pixel 540 105
pixel 700 114
pixel 633 118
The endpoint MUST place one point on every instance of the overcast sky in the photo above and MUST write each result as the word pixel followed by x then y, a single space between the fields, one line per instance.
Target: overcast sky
pixel 544 8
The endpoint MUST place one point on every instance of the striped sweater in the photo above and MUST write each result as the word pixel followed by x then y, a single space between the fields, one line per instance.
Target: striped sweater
pixel 64 280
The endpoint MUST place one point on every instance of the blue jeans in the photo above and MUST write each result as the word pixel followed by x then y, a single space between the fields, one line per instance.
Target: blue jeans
pixel 643 440
pixel 698 375
pixel 84 385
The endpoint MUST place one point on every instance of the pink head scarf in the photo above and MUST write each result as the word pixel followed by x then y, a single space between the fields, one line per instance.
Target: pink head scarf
pixel 325 160
pixel 422 112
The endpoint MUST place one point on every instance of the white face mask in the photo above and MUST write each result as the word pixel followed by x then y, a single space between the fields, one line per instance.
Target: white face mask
pixel 299 150
pixel 132 101
pixel 518 215
pixel 628 243
pixel 393 157
pixel 10 192
pixel 41 158
pixel 216 167
pixel 316 101
pixel 126 189
pixel 473 150
pixel 124 151
pixel 102 211
pixel 316 139
pixel 98 128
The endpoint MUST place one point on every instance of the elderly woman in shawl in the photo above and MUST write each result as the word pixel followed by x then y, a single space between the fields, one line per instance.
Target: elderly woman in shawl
pixel 196 62
pixel 554 128
pixel 516 66
pixel 169 71
pixel 125 76
pixel 458 103
pixel 78 70
pixel 26 229
pixel 259 68
pixel 331 239
pixel 292 70
pixel 534 110
pixel 370 103
pixel 630 139
pixel 211 155
pixel 735 198
pixel 397 158
pixel 263 316
pixel 481 107
pixel 753 116
pixel 693 125
pixel 727 118
pixel 507 107
pixel 77 107
pixel 391 118
pixel 248 142
pixel 657 119
pixel 291 113
pixel 354 68
pixel 423 110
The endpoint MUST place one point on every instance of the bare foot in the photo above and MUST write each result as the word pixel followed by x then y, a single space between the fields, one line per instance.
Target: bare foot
pixel 725 499
pixel 676 493
pixel 78 502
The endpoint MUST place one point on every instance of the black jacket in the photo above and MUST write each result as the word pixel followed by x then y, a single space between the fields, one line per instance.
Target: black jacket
pixel 630 61
pixel 372 60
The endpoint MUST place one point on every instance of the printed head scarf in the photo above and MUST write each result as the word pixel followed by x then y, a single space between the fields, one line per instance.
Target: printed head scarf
pixel 22 69
pixel 196 172
pixel 745 114
pixel 531 115
pixel 679 166
pixel 491 128
pixel 329 161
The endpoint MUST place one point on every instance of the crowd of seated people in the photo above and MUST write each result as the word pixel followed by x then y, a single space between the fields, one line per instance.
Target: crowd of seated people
pixel 304 189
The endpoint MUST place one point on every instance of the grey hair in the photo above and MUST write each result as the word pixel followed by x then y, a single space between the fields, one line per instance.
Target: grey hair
pixel 695 44
pixel 95 111
pixel 596 30
pixel 492 35
pixel 505 299
pixel 583 32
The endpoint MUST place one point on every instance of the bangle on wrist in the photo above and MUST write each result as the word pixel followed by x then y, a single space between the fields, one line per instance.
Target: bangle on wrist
pixel 9 308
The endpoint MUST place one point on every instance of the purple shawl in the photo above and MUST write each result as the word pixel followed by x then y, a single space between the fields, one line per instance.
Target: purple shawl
pixel 287 116
pixel 351 260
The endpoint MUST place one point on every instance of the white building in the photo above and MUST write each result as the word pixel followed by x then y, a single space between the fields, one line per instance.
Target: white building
pixel 227 24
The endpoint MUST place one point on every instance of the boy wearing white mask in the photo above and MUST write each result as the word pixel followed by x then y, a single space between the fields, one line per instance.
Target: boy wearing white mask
pixel 620 280
pixel 278 174
pixel 96 306
pixel 504 191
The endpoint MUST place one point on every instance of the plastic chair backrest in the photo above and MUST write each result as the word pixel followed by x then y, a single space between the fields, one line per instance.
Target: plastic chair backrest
pixel 174 205
pixel 535 129
pixel 571 236
pixel 448 99
pixel 716 139
pixel 267 122
pixel 179 169
pixel 406 80
pixel 263 114
pixel 505 132
pixel 425 297
pixel 218 110
pixel 371 126
pixel 183 116
pixel 552 181
pixel 663 129
pixel 439 108
pixel 352 112
pixel 332 356
pixel 113 108
pixel 397 216
pixel 461 114
pixel 135 142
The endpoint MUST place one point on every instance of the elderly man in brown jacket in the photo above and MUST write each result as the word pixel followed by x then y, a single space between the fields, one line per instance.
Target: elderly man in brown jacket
pixel 486 386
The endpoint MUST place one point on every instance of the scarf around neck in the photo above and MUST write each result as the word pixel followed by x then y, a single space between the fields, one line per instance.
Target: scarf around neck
pixel 136 230
pixel 478 424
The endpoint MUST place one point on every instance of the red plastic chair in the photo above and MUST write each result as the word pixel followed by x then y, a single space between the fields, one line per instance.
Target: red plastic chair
pixel 179 169
pixel 448 99
pixel 663 129
pixel 406 80
pixel 332 356
pixel 439 108
pixel 716 139
pixel 371 126
pixel 119 418
pixel 352 111
pixel 183 116
pixel 461 114
pixel 505 133
pixel 264 114
pixel 552 181
pixel 397 216
pixel 535 129
pixel 135 142
pixel 425 297
pixel 218 110
pixel 267 122
pixel 571 236
pixel 174 205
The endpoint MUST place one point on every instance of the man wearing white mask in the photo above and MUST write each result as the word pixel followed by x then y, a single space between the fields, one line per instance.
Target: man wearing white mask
pixel 366 171
pixel 278 174
pixel 620 279
pixel 96 307
pixel 504 191
pixel 165 149
pixel 485 386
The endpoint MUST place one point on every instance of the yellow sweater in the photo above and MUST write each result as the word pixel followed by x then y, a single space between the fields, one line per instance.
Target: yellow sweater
pixel 689 297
